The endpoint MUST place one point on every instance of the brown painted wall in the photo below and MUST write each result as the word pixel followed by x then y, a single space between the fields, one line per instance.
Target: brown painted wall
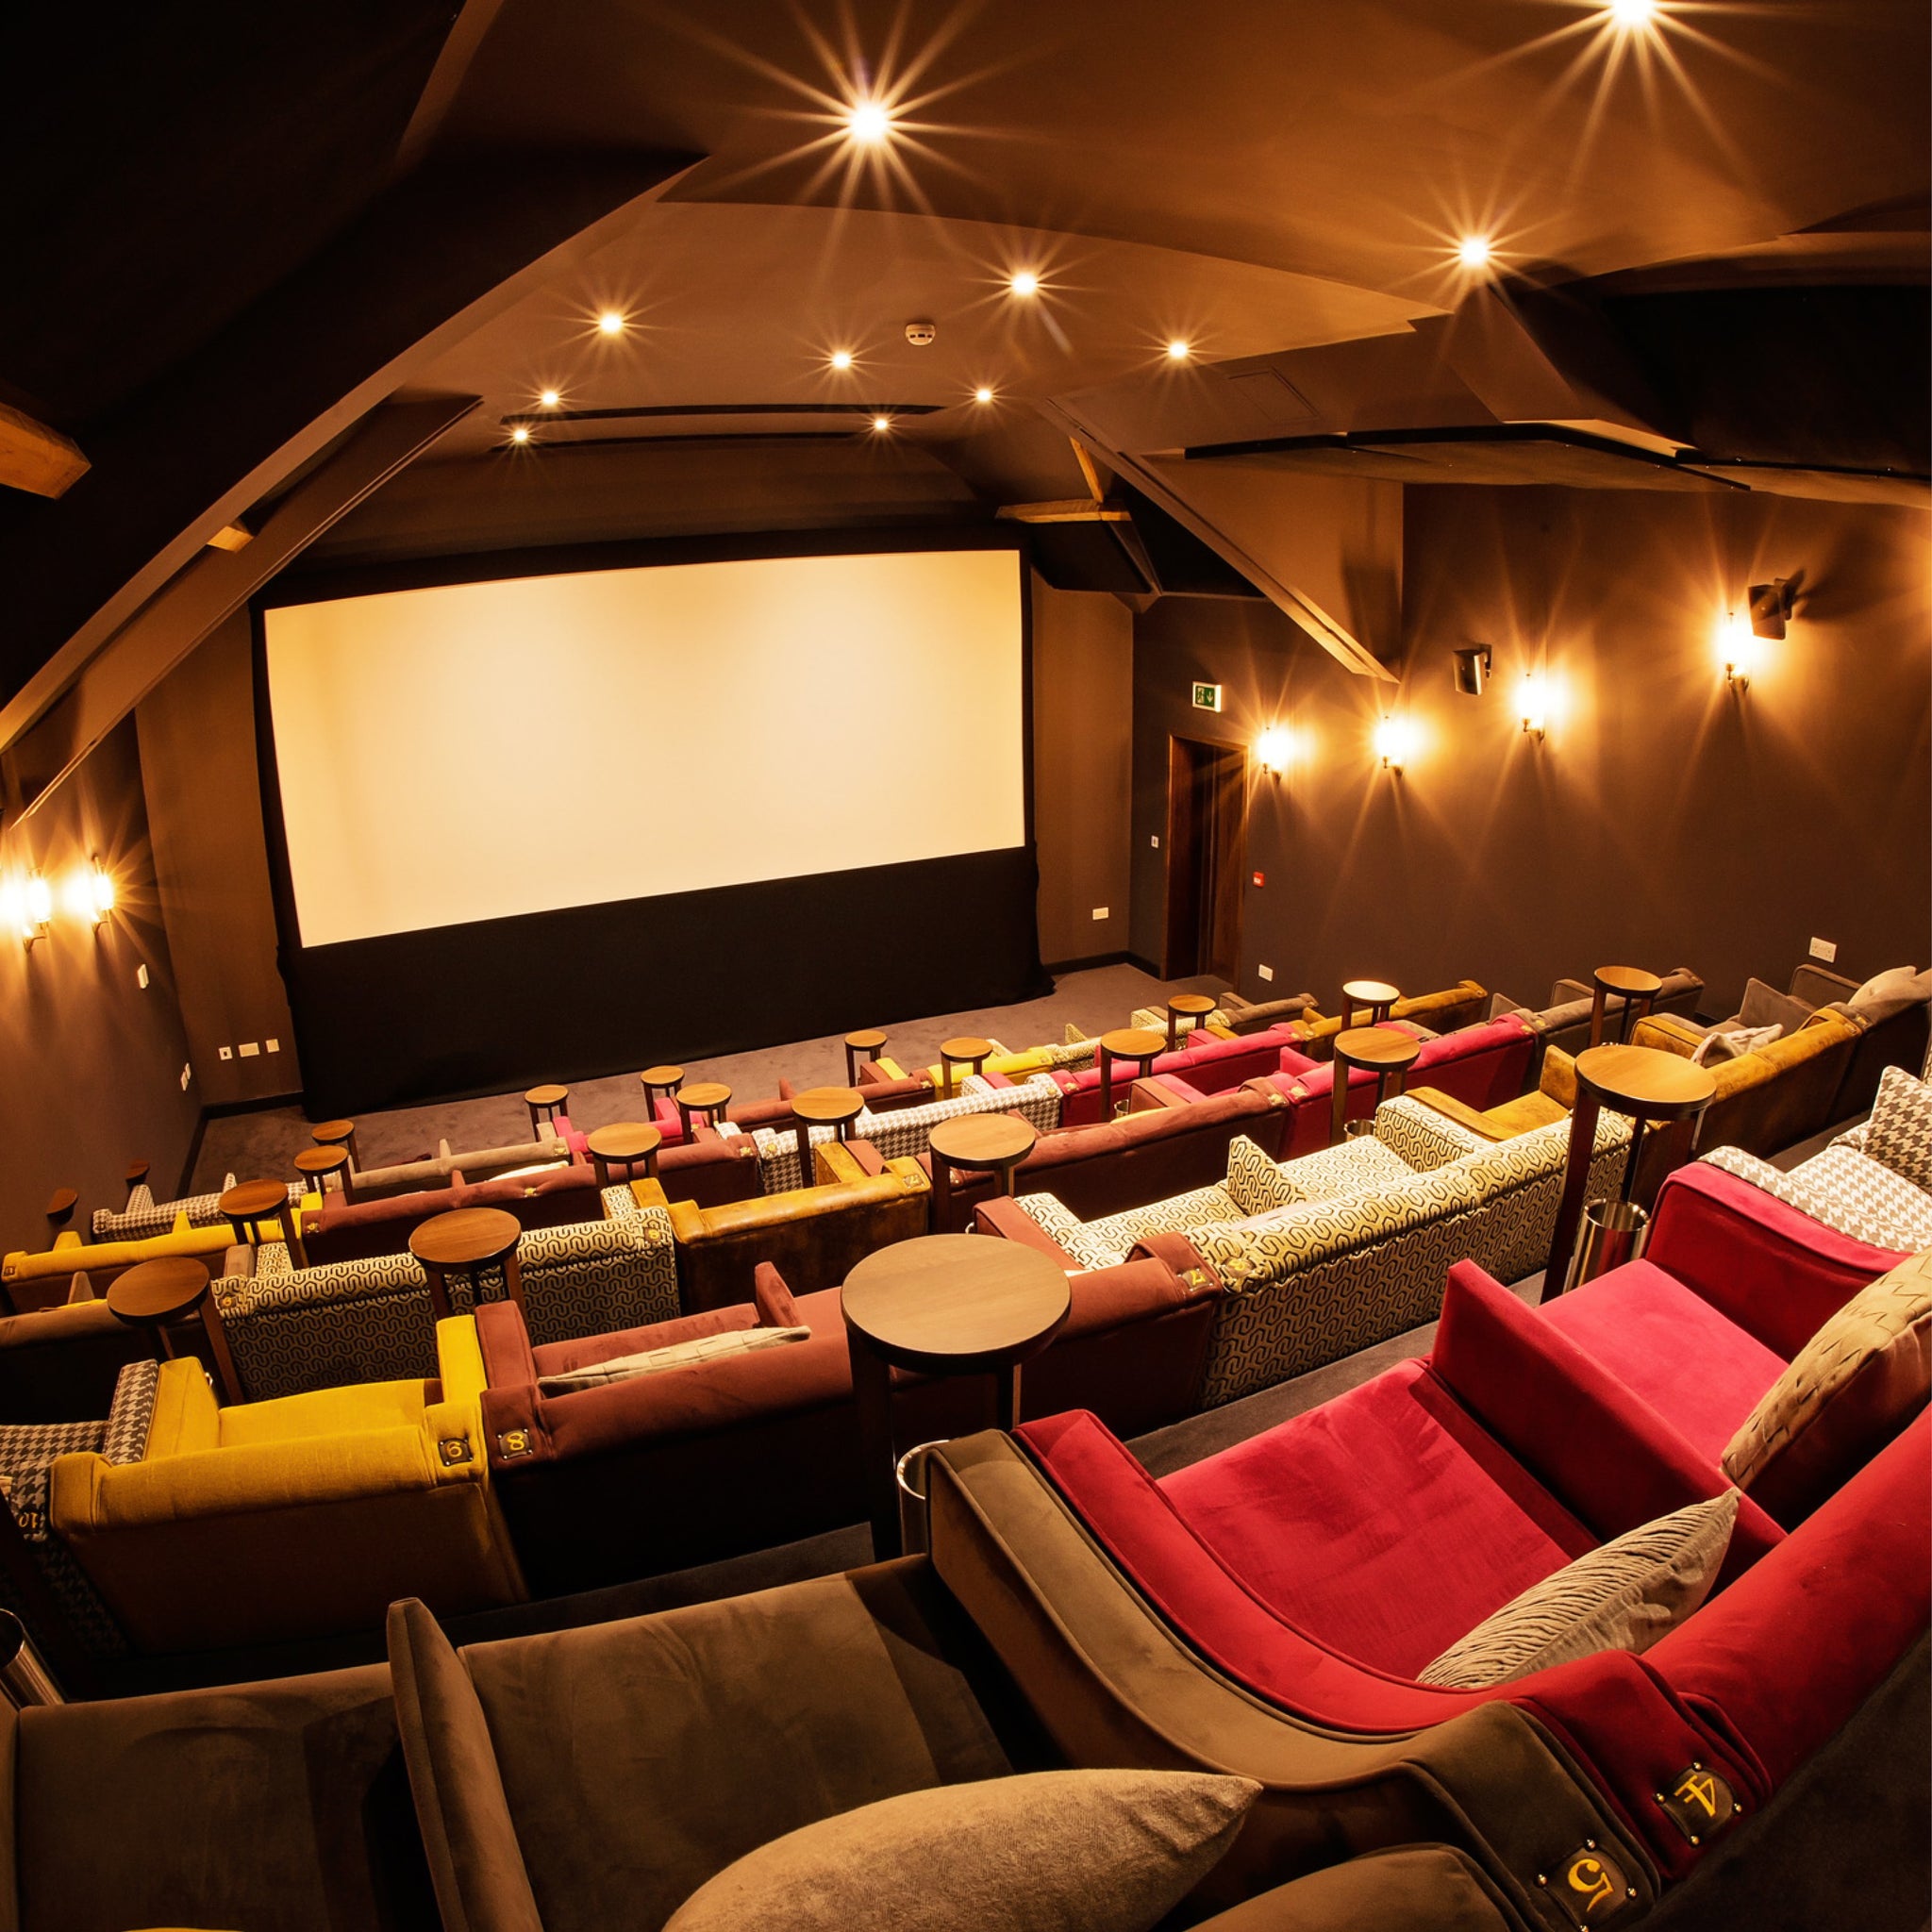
pixel 90 1062
pixel 204 801
pixel 1665 821
pixel 1083 698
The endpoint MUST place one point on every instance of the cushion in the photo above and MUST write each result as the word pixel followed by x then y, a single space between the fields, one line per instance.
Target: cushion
pixel 1900 1135
pixel 1255 1182
pixel 1885 994
pixel 1846 1393
pixel 1075 1851
pixel 1623 1596
pixel 1732 1042
pixel 679 1355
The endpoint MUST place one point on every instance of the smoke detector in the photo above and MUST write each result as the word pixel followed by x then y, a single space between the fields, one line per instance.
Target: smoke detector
pixel 920 334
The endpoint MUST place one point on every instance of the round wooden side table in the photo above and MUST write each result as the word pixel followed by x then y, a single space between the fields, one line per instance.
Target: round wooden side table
pixel 993 1144
pixel 708 1098
pixel 1186 1012
pixel 317 1164
pixel 152 1294
pixel 822 1107
pixel 1136 1044
pixel 967 1051
pixel 624 1145
pixel 1650 1087
pixel 466 1242
pixel 546 1104
pixel 248 1204
pixel 869 1041
pixel 337 1134
pixel 136 1172
pixel 60 1206
pixel 1378 1050
pixel 1377 995
pixel 1633 986
pixel 659 1081
pixel 943 1305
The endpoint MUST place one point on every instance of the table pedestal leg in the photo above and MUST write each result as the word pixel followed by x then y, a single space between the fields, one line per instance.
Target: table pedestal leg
pixel 1007 1398
pixel 1583 1118
pixel 872 1395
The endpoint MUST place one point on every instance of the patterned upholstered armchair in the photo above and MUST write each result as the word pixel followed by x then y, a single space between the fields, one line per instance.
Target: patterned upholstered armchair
pixel 144 1216
pixel 291 1329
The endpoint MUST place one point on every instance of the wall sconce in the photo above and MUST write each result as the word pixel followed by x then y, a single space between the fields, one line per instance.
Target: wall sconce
pixel 1771 607
pixel 1533 704
pixel 1474 663
pixel 1273 749
pixel 1394 742
pixel 100 894
pixel 28 905
pixel 1738 648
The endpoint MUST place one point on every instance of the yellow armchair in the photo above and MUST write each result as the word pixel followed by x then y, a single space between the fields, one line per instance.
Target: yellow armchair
pixel 302 1517
pixel 38 1280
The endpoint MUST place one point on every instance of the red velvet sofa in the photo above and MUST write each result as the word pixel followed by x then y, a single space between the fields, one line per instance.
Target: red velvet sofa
pixel 632 1479
pixel 710 1170
pixel 1211 1067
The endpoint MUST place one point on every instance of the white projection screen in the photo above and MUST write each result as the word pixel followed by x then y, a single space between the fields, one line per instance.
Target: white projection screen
pixel 476 750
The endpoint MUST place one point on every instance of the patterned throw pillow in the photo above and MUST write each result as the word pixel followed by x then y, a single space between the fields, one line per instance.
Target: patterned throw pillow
pixel 1901 1130
pixel 1256 1184
pixel 1847 1392
pixel 1623 1596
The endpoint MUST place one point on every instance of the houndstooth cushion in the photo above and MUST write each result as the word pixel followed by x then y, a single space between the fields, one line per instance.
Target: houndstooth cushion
pixel 901 1134
pixel 1899 1132
pixel 1424 1138
pixel 1845 1190
pixel 1254 1183
pixel 1623 1596
pixel 1885 1329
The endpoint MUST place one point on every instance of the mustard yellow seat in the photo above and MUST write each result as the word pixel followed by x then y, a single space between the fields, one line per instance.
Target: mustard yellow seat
pixel 302 1517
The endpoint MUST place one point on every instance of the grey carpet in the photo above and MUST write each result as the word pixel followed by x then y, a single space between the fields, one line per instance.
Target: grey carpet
pixel 261 1145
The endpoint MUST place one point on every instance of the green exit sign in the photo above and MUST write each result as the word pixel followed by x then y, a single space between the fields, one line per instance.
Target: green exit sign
pixel 1206 697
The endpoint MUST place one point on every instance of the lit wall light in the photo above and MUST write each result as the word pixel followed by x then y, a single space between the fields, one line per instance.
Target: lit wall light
pixel 1533 704
pixel 101 895
pixel 1274 750
pixel 28 905
pixel 1394 743
pixel 1738 651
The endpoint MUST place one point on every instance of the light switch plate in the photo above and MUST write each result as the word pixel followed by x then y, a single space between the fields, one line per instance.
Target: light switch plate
pixel 1154 840
pixel 251 1049
pixel 1099 912
pixel 1824 949
pixel 141 977
pixel 271 1046
pixel 1264 971
pixel 226 1053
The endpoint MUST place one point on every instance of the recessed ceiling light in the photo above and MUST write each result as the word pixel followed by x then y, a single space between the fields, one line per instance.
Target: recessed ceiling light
pixel 1632 13
pixel 842 358
pixel 610 322
pixel 982 394
pixel 549 398
pixel 881 423
pixel 1024 282
pixel 1177 351
pixel 870 122
pixel 1473 251
pixel 520 433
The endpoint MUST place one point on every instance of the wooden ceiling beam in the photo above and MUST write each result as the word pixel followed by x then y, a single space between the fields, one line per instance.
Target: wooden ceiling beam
pixel 1066 510
pixel 36 459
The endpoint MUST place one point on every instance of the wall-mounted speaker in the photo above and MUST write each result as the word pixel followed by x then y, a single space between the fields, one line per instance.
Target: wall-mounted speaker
pixel 1472 666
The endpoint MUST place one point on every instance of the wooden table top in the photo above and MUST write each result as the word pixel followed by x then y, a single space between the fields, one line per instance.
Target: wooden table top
pixel 327 1133
pixel 828 1106
pixel 662 1076
pixel 63 1201
pixel 1647 1080
pixel 1629 979
pixel 464 1237
pixel 321 1159
pixel 867 1039
pixel 153 1291
pixel 983 1140
pixel 1186 1002
pixel 625 1140
pixel 137 1173
pixel 1370 993
pixel 956 1303
pixel 247 1200
pixel 703 1095
pixel 1376 1046
pixel 1132 1042
pixel 547 1096
pixel 965 1048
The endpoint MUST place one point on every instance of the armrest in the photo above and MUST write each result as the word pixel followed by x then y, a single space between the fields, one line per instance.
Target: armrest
pixel 1459 1111
pixel 1006 1217
pixel 459 1361
pixel 1154 1094
pixel 1182 1258
pixel 1558 1077
pixel 1604 1452
pixel 851 1160
pixel 1670 1033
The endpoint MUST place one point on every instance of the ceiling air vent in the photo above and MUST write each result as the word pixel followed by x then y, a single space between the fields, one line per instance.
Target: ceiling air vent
pixel 1271 396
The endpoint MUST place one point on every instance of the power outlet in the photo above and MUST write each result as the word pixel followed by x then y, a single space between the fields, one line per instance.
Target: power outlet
pixel 141 977
pixel 271 1046
pixel 226 1053
pixel 187 1074
pixel 1099 912
pixel 251 1049
pixel 1824 949
pixel 1264 971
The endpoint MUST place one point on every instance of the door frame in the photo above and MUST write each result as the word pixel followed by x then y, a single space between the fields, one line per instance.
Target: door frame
pixel 1174 740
